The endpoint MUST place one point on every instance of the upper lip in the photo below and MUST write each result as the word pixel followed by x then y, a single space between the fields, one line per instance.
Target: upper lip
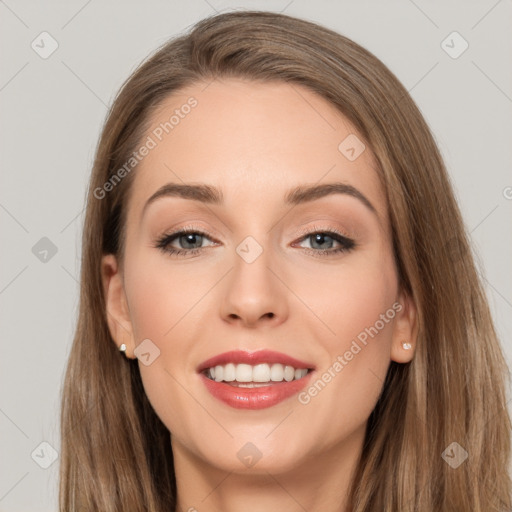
pixel 253 358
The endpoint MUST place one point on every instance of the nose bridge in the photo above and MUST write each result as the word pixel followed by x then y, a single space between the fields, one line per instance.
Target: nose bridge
pixel 253 292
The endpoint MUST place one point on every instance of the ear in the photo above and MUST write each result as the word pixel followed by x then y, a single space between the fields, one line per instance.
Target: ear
pixel 404 329
pixel 118 314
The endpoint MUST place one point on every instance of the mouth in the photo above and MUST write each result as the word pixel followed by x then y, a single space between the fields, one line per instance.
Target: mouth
pixel 254 380
pixel 260 375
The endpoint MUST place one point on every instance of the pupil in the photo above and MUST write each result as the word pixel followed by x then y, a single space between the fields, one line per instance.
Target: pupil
pixel 320 238
pixel 189 238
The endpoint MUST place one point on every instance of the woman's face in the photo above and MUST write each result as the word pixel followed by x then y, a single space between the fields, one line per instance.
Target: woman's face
pixel 289 267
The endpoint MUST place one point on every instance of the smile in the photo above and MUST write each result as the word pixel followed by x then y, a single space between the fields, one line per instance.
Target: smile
pixel 254 380
pixel 245 375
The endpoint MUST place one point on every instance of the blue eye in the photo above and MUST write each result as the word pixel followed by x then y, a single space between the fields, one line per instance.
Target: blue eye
pixel 192 242
pixel 186 237
pixel 319 238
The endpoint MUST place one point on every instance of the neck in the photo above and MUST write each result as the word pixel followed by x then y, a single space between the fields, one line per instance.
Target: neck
pixel 318 482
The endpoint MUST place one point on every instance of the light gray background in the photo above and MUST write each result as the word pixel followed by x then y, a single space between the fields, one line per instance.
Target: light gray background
pixel 51 113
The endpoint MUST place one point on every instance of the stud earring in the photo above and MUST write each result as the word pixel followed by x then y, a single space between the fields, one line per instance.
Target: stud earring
pixel 406 345
pixel 122 348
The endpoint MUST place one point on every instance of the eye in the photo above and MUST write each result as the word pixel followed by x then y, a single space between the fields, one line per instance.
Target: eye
pixel 321 242
pixel 191 241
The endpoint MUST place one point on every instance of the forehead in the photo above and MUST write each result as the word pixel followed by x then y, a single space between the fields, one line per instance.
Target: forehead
pixel 253 140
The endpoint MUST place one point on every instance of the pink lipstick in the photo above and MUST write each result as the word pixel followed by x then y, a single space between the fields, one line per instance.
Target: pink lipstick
pixel 254 380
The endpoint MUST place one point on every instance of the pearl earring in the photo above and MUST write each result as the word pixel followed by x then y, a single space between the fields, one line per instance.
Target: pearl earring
pixel 122 348
pixel 406 345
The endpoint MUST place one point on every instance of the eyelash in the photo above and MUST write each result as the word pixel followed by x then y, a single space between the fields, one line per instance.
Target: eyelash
pixel 347 244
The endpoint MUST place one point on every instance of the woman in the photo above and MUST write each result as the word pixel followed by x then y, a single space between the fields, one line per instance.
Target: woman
pixel 324 342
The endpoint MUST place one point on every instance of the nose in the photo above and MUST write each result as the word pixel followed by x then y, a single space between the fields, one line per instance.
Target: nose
pixel 254 294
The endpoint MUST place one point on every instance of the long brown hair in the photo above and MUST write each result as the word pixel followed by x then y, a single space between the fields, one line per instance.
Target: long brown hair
pixel 116 453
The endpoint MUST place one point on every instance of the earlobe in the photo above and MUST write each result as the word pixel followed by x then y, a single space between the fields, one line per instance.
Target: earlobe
pixel 118 315
pixel 404 330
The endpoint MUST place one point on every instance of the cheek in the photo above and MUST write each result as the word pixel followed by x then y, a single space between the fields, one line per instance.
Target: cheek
pixel 357 305
pixel 161 295
pixel 351 298
pixel 167 306
pixel 356 308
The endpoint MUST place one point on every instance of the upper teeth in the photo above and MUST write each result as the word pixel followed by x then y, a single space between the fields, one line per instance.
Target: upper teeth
pixel 258 373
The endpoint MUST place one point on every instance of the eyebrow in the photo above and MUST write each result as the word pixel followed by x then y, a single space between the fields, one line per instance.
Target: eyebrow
pixel 298 195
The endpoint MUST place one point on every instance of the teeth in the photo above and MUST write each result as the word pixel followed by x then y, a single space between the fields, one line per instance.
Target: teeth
pixel 243 373
pixel 251 376
pixel 289 373
pixel 229 373
pixel 261 373
pixel 276 373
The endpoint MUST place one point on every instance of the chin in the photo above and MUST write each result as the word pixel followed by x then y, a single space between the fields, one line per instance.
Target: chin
pixel 254 452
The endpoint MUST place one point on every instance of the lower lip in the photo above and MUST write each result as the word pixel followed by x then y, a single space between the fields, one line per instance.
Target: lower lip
pixel 255 398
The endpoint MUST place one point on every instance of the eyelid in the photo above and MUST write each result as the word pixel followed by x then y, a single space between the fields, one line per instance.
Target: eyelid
pixel 303 231
pixel 189 228
pixel 316 228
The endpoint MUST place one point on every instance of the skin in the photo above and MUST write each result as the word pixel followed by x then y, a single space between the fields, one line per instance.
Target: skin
pixel 255 142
